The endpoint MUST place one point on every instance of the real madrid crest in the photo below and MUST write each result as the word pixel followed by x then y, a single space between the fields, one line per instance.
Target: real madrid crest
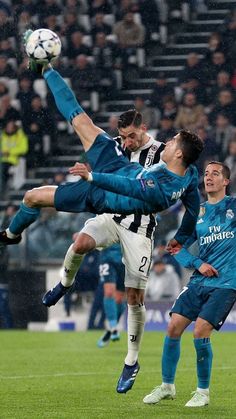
pixel 202 212
pixel 229 214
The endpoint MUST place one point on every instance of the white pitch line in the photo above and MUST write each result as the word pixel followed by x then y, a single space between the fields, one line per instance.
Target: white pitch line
pixel 80 374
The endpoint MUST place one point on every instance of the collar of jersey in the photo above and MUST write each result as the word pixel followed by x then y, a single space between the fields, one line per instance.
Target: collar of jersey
pixel 226 197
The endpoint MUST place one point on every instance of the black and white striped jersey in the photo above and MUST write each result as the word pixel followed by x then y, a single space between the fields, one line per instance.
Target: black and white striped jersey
pixel 147 155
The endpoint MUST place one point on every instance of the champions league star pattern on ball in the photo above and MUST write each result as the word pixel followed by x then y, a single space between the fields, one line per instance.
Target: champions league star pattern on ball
pixel 43 45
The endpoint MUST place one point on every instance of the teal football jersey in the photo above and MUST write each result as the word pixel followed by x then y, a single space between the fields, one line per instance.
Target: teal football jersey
pixel 216 236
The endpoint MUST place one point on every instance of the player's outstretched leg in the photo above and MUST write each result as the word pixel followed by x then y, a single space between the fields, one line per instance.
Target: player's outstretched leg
pixel 70 108
pixel 23 218
pixel 28 212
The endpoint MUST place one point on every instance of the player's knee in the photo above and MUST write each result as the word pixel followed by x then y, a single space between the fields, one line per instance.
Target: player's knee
pixel 134 296
pixel 83 244
pixel 201 331
pixel 31 198
pixel 174 329
pixel 109 292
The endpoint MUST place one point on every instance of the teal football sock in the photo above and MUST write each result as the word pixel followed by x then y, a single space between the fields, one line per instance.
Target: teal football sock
pixel 63 95
pixel 170 358
pixel 110 308
pixel 204 361
pixel 23 218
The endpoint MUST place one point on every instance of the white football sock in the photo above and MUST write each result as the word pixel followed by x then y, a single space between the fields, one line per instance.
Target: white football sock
pixel 11 235
pixel 203 390
pixel 168 386
pixel 135 323
pixel 71 265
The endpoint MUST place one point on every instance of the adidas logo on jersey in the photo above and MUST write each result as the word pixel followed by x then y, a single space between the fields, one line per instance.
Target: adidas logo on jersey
pixel 200 221
pixel 177 195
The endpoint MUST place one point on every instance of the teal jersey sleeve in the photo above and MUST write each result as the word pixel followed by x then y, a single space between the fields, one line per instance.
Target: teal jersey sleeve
pixel 185 258
pixel 157 185
pixel 191 201
pixel 144 189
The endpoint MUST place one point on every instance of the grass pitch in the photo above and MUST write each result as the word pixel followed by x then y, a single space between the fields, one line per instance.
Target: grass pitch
pixel 65 376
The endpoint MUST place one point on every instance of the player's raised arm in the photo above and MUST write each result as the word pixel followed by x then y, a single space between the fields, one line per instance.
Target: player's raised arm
pixel 142 189
pixel 191 201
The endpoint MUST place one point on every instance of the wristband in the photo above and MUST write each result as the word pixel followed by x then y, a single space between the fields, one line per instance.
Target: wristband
pixel 90 177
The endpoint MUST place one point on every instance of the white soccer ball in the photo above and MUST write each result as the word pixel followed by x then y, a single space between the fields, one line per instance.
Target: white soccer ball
pixel 43 45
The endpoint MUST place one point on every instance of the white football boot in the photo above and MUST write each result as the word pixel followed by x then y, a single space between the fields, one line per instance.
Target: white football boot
pixel 164 391
pixel 199 399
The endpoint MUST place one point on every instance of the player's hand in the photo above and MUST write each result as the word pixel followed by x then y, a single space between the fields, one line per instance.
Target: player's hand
pixel 173 247
pixel 208 270
pixel 79 169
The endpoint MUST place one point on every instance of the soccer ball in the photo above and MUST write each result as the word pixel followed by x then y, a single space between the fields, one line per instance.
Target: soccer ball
pixel 43 45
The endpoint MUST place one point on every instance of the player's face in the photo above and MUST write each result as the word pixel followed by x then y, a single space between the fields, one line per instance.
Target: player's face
pixel 170 149
pixel 214 179
pixel 132 137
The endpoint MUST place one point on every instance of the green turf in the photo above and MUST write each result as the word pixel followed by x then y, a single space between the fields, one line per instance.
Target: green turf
pixel 65 376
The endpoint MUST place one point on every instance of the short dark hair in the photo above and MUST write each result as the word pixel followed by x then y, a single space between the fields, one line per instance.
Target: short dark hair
pixel 225 169
pixel 191 145
pixel 130 117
